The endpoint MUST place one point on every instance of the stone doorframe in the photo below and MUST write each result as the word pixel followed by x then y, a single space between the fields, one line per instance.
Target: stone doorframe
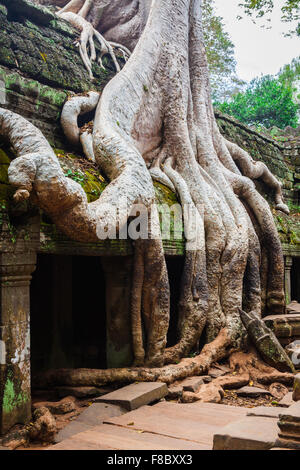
pixel 289 252
pixel 18 253
pixel 18 258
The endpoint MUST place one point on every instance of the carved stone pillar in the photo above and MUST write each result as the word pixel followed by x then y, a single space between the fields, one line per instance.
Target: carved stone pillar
pixel 18 247
pixel 288 262
pixel 118 325
pixel 15 396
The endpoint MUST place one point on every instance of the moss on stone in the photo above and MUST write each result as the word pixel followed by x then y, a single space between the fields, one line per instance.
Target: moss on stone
pixel 83 172
pixel 288 227
pixel 45 51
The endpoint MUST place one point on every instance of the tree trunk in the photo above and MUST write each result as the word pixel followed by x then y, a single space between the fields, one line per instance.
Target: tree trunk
pixel 156 117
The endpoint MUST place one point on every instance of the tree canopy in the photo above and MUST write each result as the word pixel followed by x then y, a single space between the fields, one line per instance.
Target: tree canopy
pixel 220 54
pixel 262 8
pixel 290 76
pixel 267 101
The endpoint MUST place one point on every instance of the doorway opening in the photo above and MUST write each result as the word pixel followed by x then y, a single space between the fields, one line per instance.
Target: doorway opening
pixel 68 315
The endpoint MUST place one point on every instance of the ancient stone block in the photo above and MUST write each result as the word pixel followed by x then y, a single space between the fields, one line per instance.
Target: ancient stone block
pixel 135 395
pixel 296 392
pixel 287 400
pixel 192 384
pixel 284 325
pixel 252 392
pixel 289 423
pixel 175 391
pixel 251 433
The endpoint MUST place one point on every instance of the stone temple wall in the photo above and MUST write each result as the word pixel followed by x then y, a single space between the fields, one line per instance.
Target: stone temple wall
pixel 40 67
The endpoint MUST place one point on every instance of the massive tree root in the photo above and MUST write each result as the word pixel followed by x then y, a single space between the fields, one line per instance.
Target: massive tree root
pixel 155 119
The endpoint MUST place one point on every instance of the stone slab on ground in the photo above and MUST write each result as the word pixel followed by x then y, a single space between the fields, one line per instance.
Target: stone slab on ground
pixel 287 400
pixel 165 426
pixel 252 392
pixel 115 437
pixel 265 411
pixel 250 433
pixel 135 395
pixel 214 413
pixel 94 415
pixel 215 373
pixel 74 427
pixel 188 422
pixel 192 384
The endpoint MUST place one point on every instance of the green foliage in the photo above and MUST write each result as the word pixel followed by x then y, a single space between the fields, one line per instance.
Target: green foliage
pixel 220 54
pixel 263 8
pixel 267 102
pixel 289 75
pixel 76 175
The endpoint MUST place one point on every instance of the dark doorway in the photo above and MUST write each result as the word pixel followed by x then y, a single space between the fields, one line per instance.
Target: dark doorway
pixel 175 265
pixel 68 318
pixel 295 279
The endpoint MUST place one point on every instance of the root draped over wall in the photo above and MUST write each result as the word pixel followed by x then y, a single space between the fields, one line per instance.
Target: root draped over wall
pixel 155 119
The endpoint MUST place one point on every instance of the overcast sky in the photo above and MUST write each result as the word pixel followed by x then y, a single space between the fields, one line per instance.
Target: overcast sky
pixel 257 51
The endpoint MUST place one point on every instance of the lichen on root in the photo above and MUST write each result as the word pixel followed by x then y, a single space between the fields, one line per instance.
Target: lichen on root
pixel 155 117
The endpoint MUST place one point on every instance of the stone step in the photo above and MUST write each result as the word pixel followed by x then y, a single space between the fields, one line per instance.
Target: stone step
pixel 135 395
pixel 108 437
pixel 250 433
pixel 289 423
